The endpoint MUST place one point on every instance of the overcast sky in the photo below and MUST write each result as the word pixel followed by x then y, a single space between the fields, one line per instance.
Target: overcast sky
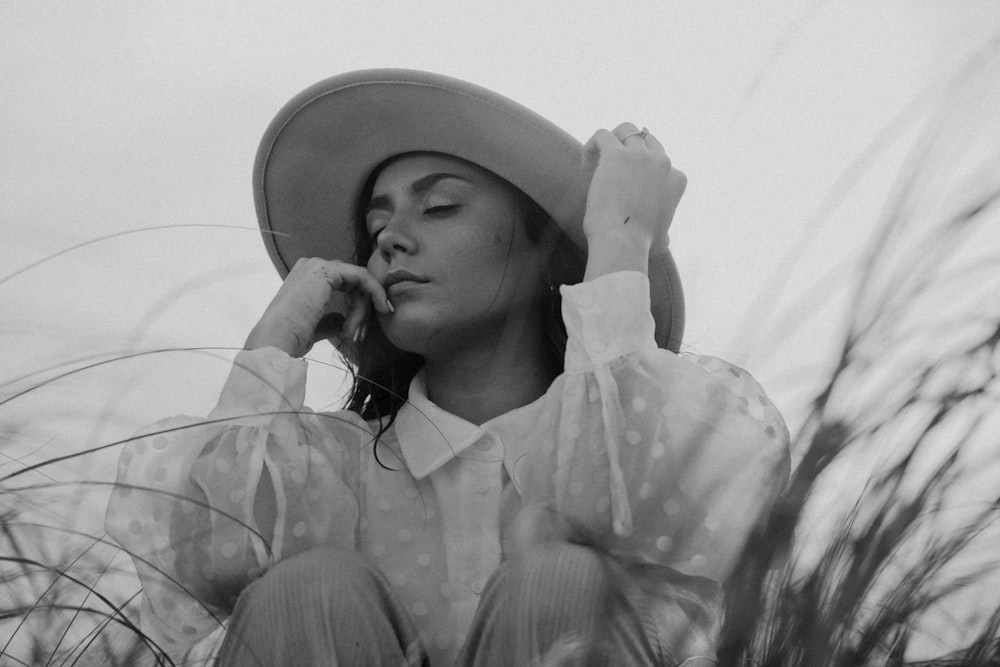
pixel 119 116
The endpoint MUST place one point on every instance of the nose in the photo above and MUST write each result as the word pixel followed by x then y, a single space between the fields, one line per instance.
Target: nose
pixel 396 238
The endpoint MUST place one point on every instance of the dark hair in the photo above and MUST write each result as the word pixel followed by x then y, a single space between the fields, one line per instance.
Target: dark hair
pixel 382 372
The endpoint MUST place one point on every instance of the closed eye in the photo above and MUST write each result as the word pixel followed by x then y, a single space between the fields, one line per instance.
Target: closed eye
pixel 440 211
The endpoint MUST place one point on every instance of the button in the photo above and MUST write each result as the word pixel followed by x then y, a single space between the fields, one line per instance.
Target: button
pixel 477 587
pixel 485 444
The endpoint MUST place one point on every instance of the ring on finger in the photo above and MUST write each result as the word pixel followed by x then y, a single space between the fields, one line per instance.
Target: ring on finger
pixel 642 134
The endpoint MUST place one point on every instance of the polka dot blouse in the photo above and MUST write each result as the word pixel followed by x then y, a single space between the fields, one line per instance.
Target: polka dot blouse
pixel 664 461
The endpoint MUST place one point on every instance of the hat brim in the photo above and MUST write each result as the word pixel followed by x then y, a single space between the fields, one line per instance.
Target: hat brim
pixel 320 150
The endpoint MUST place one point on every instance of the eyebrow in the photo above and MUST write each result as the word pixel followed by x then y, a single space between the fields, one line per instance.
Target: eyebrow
pixel 418 187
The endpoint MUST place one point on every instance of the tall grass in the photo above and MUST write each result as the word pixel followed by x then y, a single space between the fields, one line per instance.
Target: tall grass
pixel 886 547
pixel 884 550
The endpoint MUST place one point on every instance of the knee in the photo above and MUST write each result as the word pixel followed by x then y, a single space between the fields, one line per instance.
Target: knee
pixel 321 572
pixel 323 606
pixel 560 561
pixel 563 575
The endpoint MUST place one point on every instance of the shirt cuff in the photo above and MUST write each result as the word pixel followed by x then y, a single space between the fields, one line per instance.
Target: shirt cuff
pixel 262 382
pixel 606 318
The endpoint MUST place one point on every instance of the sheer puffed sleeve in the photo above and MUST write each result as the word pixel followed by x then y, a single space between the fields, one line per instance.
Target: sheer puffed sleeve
pixel 204 506
pixel 658 458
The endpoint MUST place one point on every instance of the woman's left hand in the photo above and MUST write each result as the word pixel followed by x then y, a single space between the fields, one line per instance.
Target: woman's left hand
pixel 633 193
pixel 537 525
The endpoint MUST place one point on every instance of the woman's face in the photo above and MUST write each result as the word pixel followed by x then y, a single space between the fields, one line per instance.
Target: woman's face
pixel 450 243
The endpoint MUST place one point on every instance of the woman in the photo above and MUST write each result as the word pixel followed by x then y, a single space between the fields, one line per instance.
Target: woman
pixel 526 470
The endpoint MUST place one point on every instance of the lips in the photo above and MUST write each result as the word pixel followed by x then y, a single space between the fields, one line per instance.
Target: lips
pixel 401 276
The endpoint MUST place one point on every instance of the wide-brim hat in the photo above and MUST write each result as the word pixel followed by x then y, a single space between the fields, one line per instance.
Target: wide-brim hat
pixel 320 150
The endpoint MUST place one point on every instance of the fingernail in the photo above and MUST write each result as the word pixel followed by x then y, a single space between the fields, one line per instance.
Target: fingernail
pixel 392 308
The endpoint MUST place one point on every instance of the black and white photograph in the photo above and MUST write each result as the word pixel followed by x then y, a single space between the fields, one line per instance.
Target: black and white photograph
pixel 522 334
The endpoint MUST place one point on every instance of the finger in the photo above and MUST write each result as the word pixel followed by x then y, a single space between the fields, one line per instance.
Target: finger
pixel 601 140
pixel 357 314
pixel 654 144
pixel 631 136
pixel 679 181
pixel 625 129
pixel 376 291
pixel 351 278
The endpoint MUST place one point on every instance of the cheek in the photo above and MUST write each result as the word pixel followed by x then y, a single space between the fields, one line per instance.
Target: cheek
pixel 481 253
pixel 490 240
pixel 497 243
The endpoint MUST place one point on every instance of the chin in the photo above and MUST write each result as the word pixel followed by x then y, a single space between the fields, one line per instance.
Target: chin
pixel 409 332
pixel 425 333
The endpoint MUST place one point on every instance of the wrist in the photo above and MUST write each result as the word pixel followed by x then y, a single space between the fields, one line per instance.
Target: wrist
pixel 610 251
pixel 283 340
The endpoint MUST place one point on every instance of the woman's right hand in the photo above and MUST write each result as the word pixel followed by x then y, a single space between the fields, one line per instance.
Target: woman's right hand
pixel 631 200
pixel 292 321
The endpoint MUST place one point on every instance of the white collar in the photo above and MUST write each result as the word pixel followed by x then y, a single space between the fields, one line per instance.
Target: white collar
pixel 428 436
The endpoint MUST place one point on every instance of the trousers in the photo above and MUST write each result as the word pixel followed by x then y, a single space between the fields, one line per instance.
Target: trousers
pixel 557 605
